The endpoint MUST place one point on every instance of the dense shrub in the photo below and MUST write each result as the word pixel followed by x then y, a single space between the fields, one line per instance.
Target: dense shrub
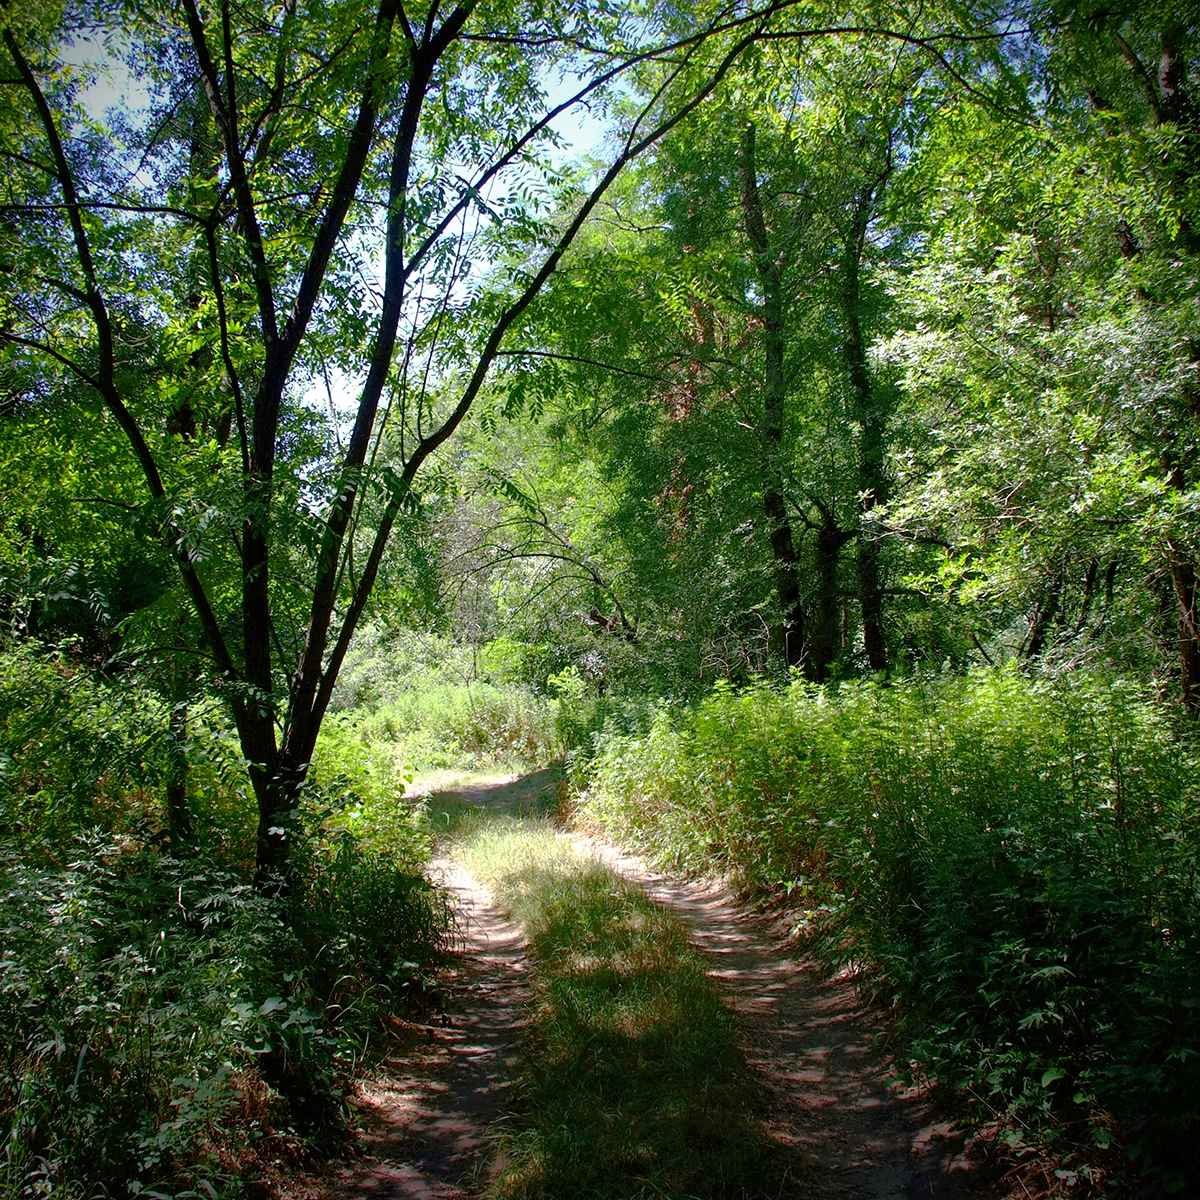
pixel 161 1017
pixel 168 1029
pixel 433 703
pixel 136 996
pixel 452 725
pixel 79 752
pixel 1014 865
pixel 72 752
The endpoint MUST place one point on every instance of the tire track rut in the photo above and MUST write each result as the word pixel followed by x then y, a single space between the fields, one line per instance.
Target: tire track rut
pixel 809 1039
pixel 428 1106
pixel 814 1046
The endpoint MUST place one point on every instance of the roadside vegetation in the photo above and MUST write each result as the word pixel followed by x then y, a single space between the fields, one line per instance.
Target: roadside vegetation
pixel 168 1029
pixel 428 702
pixel 784 414
pixel 1010 866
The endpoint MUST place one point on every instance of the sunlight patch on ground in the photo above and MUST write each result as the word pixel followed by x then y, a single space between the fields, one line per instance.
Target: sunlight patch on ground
pixel 425 783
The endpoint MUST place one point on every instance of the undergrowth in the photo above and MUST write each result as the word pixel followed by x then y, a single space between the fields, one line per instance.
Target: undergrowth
pixel 423 701
pixel 1013 865
pixel 430 704
pixel 168 1030
pixel 632 1084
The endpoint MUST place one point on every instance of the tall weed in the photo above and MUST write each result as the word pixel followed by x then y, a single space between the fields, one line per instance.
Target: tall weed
pixel 449 725
pixel 1014 865
pixel 135 992
pixel 162 1018
pixel 168 1029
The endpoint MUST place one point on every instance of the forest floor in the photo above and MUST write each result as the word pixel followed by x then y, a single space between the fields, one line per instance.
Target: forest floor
pixel 815 1047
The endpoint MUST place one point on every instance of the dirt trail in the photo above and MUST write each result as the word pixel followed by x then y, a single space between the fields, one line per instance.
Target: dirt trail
pixel 427 1108
pixel 808 1038
pixel 813 1045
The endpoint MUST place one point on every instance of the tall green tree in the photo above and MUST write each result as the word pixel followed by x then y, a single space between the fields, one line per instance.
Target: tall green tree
pixel 734 295
pixel 309 194
pixel 1052 369
pixel 296 195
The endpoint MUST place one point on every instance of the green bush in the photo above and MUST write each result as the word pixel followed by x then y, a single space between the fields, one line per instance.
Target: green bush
pixel 370 921
pixel 73 753
pixel 134 996
pixel 79 752
pixel 1015 865
pixel 168 1029
pixel 148 1001
pixel 449 725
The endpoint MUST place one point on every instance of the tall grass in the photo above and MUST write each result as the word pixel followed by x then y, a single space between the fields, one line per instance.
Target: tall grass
pixel 1014 865
pixel 455 724
pixel 435 703
pixel 633 1084
pixel 431 703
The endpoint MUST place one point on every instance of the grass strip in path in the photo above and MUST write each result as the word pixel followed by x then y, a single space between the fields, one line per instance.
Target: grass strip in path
pixel 633 1083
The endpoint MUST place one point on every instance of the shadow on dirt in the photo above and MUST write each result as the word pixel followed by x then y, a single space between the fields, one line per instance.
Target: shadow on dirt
pixel 537 794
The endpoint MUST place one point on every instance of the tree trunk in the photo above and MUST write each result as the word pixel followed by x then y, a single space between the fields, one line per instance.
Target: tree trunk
pixel 1039 627
pixel 827 615
pixel 1183 579
pixel 276 789
pixel 870 412
pixel 789 638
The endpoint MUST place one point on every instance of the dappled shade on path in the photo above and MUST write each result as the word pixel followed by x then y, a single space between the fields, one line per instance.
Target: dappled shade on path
pixel 809 1040
pixel 813 1044
pixel 428 1109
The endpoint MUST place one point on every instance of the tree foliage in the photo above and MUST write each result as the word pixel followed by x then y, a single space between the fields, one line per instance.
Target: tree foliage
pixel 889 357
pixel 862 341
pixel 308 195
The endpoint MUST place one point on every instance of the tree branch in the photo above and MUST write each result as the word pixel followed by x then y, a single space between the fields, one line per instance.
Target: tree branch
pixel 488 354
pixel 226 117
pixel 104 381
pixel 577 358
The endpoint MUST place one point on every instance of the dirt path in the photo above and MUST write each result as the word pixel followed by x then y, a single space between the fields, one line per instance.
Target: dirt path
pixel 812 1043
pixel 428 1105
pixel 809 1039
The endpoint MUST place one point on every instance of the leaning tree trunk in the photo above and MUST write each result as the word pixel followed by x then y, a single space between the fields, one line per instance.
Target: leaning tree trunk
pixel 1040 622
